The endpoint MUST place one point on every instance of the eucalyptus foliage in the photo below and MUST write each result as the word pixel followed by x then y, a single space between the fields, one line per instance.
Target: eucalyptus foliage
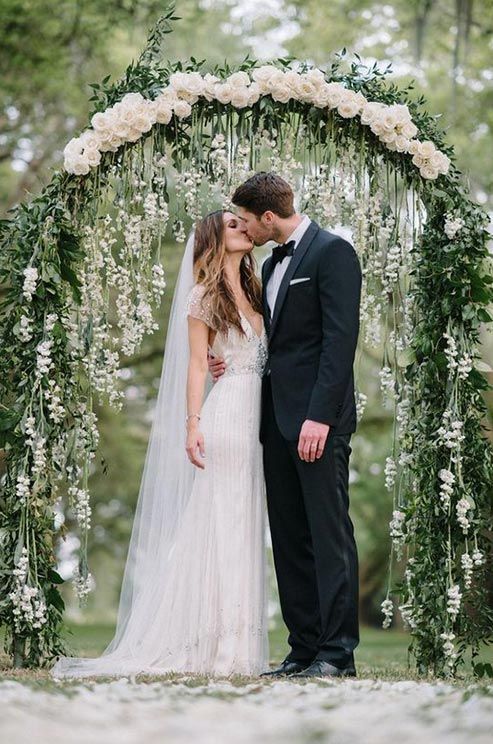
pixel 82 272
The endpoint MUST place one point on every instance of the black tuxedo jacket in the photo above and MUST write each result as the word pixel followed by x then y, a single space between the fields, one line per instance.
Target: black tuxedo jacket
pixel 313 335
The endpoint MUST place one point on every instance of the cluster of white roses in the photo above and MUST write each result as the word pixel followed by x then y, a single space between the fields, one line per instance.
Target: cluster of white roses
pixel 134 115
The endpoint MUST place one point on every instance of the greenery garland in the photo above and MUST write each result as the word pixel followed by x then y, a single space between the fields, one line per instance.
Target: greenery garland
pixel 59 272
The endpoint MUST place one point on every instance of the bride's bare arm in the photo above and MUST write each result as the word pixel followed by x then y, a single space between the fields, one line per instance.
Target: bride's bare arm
pixel 198 338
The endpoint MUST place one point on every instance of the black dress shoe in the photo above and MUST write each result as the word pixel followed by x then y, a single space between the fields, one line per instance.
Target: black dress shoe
pixel 325 669
pixel 285 669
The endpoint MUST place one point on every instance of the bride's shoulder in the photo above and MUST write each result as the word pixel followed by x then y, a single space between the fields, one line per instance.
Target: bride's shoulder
pixel 198 305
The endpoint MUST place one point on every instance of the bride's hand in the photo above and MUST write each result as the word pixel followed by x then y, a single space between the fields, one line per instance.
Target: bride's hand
pixel 195 447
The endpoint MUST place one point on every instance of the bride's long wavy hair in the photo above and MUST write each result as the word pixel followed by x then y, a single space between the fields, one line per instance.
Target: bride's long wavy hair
pixel 208 262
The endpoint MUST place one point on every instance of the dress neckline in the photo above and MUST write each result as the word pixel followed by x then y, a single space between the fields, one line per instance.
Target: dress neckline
pixel 251 326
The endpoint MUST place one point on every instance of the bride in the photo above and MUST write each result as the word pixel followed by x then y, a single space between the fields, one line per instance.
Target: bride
pixel 193 597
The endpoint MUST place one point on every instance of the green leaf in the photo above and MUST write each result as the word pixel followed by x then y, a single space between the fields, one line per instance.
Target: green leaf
pixel 54 598
pixel 406 357
pixel 55 577
pixel 482 366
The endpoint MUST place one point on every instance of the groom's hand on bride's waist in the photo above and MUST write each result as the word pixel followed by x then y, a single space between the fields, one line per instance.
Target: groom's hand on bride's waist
pixel 311 444
pixel 217 366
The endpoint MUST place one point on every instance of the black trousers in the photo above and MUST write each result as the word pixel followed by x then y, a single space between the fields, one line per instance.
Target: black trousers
pixel 315 554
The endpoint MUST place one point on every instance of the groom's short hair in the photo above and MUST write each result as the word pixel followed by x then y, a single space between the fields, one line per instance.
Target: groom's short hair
pixel 265 192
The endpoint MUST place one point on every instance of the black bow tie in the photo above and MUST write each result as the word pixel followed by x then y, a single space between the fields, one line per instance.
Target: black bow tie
pixel 279 252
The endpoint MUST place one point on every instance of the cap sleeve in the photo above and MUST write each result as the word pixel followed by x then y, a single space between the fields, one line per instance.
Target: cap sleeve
pixel 198 307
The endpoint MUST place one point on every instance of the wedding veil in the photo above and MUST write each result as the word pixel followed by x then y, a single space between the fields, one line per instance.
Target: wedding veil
pixel 165 488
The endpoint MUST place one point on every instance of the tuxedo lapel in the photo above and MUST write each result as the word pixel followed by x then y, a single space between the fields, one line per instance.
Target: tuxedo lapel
pixel 267 269
pixel 296 259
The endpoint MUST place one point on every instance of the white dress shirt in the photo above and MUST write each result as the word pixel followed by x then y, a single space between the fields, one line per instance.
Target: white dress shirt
pixel 280 268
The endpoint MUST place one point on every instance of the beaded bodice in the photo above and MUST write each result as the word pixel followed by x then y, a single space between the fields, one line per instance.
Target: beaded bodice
pixel 243 354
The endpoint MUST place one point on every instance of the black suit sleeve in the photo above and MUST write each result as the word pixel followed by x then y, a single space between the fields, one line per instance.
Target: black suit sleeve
pixel 339 285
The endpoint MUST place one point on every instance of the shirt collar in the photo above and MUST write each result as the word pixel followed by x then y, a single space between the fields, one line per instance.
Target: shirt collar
pixel 299 231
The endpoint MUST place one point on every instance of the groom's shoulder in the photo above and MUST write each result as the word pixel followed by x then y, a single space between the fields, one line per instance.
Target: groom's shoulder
pixel 329 241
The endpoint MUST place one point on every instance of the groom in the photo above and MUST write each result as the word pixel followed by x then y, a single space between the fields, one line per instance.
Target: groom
pixel 311 295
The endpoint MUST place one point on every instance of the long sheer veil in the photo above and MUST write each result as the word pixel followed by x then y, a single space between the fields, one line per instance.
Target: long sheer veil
pixel 164 492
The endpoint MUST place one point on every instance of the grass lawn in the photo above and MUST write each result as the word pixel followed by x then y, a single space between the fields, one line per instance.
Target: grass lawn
pixel 381 654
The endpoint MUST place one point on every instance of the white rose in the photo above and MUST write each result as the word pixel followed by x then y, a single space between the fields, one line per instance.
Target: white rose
pixel 91 139
pixel 418 160
pixel 401 112
pixel 143 123
pixel 133 135
pixel 409 130
pixel 281 93
pixel 80 166
pixel 188 85
pixel 239 79
pixel 348 108
pixel 113 143
pixel 377 126
pixel 413 148
pixel 440 161
pixel 209 84
pixel 131 100
pixel 168 95
pixel 292 78
pixel 427 171
pixel 223 92
pixel 388 137
pixel 371 111
pixel 335 93
pixel 92 156
pixel 316 77
pixel 73 148
pixel 101 122
pixel 240 97
pixel 426 149
pixel 264 73
pixel 306 90
pixel 322 97
pixel 401 143
pixel 164 110
pixel 253 93
pixel 182 109
pixel 120 130
pixel 387 120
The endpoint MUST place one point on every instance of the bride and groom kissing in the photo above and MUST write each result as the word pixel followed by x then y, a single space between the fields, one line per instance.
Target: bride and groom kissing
pixel 274 429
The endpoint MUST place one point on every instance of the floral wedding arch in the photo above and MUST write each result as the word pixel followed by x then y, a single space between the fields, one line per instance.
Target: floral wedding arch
pixel 82 272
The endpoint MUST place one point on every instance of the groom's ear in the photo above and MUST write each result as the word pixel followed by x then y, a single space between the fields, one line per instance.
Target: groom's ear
pixel 268 217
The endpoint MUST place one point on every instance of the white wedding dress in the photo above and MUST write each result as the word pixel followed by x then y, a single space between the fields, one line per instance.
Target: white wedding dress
pixel 207 615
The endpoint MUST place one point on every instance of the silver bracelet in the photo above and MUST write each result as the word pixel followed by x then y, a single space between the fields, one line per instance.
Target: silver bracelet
pixel 192 415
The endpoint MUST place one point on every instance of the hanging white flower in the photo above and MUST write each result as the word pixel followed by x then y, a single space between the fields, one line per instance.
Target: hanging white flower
pixel 462 509
pixel 388 612
pixel 447 480
pixel 454 600
pixel 30 280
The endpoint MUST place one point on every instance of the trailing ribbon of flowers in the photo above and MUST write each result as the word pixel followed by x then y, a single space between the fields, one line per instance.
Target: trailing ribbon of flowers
pixel 135 115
